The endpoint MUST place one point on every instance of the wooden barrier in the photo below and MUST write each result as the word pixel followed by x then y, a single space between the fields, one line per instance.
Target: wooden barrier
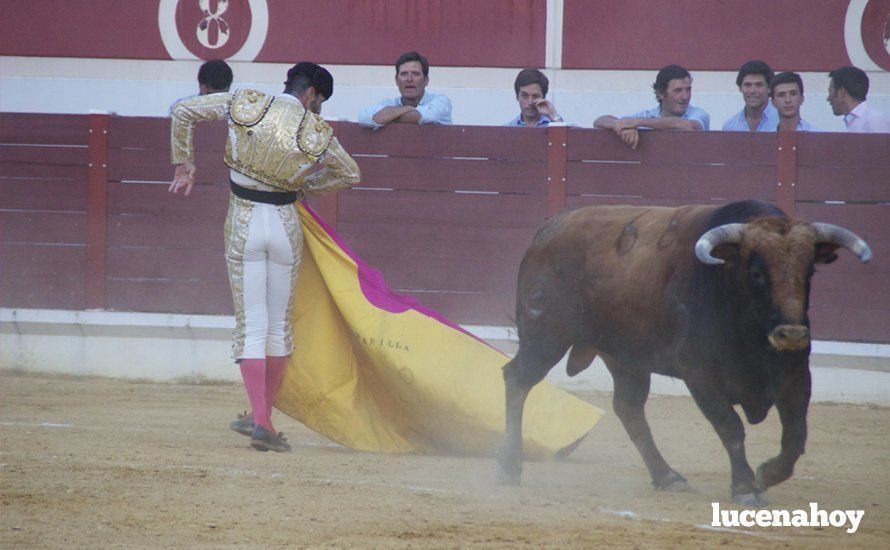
pixel 444 212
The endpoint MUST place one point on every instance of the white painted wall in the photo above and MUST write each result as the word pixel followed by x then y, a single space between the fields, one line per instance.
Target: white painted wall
pixel 480 96
pixel 185 348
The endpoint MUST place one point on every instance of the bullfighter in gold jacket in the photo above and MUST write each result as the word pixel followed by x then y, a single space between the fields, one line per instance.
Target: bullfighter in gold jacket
pixel 274 147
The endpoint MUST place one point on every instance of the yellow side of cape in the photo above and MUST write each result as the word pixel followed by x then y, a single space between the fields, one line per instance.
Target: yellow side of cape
pixel 375 380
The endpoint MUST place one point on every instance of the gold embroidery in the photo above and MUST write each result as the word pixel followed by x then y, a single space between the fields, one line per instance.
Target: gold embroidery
pixel 294 231
pixel 314 141
pixel 236 228
pixel 248 107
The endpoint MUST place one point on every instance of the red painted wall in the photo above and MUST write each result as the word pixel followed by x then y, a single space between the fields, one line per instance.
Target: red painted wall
pixel 791 35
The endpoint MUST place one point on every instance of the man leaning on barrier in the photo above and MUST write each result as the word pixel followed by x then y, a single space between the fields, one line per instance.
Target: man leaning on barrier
pixel 673 91
pixel 415 105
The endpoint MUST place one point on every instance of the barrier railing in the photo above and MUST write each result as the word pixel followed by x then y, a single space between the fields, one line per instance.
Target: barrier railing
pixel 444 212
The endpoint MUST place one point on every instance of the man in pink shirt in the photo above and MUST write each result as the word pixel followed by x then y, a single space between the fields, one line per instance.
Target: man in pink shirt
pixel 846 93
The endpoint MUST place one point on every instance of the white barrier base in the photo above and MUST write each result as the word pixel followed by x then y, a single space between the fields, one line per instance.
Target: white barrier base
pixel 189 348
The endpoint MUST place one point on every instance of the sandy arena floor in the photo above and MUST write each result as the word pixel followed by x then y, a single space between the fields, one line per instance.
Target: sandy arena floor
pixel 92 462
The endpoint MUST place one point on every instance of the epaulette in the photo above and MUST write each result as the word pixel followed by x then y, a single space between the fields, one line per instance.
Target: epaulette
pixel 249 106
pixel 314 135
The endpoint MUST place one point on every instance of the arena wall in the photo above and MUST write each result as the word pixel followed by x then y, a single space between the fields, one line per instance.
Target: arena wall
pixel 444 212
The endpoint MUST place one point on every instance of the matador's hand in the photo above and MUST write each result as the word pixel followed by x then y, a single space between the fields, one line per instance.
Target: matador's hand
pixel 183 177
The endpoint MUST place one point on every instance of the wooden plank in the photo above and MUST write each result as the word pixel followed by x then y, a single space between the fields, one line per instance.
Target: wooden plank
pixel 690 183
pixel 147 231
pixel 34 226
pixel 835 183
pixel 472 308
pixel 33 276
pixel 579 201
pixel 556 169
pixel 869 221
pixel 128 262
pixel 44 162
pixel 154 133
pixel 440 209
pixel 169 296
pixel 835 149
pixel 154 165
pixel 45 195
pixel 44 129
pixel 438 273
pixel 412 140
pixel 437 174
pixel 850 324
pixel 97 212
pixel 675 148
pixel 209 202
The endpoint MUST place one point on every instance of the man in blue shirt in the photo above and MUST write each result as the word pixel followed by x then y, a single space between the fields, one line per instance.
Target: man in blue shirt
pixel 535 111
pixel 786 91
pixel 758 115
pixel 673 90
pixel 415 105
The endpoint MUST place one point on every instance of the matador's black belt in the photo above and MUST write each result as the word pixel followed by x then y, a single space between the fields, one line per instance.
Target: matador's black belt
pixel 267 197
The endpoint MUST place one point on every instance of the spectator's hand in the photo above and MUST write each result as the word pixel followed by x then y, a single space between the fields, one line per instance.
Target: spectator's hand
pixel 622 124
pixel 630 136
pixel 183 177
pixel 546 108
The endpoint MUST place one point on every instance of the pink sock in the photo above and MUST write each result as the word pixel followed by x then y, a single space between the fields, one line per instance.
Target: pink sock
pixel 275 368
pixel 253 371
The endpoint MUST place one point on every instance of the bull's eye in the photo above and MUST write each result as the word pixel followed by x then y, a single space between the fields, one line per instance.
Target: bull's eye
pixel 757 275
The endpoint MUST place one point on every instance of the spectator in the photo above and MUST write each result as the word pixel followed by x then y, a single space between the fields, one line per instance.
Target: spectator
pixel 673 90
pixel 535 111
pixel 786 91
pixel 415 105
pixel 758 115
pixel 214 77
pixel 846 93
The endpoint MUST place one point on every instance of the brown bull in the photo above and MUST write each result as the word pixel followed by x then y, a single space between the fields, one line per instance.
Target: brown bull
pixel 715 296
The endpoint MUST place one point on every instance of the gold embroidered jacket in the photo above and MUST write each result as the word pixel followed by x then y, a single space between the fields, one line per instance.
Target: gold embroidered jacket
pixel 272 139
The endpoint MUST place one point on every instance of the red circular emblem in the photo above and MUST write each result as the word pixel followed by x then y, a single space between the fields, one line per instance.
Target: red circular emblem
pixel 213 29
pixel 876 32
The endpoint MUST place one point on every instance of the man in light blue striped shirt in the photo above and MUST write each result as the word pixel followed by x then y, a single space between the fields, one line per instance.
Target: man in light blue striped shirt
pixel 758 115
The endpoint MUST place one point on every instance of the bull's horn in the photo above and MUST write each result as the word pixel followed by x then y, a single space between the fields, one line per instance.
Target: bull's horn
pixel 728 233
pixel 835 234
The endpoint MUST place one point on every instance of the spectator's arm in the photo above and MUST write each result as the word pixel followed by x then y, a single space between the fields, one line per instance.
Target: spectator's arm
pixel 606 122
pixel 367 116
pixel 662 123
pixel 437 111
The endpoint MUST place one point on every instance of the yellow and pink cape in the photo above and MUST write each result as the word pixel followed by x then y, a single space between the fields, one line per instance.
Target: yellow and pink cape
pixel 375 371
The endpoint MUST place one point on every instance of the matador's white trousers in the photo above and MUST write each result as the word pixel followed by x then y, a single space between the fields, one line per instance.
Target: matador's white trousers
pixel 263 248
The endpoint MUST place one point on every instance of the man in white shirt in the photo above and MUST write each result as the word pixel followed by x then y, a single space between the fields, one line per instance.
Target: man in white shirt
pixel 414 105
pixel 846 94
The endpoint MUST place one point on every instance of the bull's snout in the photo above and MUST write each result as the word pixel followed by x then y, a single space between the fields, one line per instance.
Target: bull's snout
pixel 790 337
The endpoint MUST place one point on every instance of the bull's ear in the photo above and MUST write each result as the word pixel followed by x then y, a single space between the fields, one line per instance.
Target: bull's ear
pixel 825 253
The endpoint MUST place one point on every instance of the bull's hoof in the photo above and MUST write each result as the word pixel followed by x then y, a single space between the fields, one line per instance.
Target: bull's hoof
pixel 672 483
pixel 772 472
pixel 508 478
pixel 750 500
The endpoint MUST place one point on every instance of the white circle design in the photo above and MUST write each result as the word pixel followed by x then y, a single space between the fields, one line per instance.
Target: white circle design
pixel 259 12
pixel 853 37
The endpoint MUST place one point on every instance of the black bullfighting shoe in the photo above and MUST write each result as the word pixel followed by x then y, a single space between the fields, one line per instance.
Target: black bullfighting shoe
pixel 264 440
pixel 243 424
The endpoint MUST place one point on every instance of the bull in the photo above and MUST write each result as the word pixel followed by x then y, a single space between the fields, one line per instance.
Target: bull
pixel 714 296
